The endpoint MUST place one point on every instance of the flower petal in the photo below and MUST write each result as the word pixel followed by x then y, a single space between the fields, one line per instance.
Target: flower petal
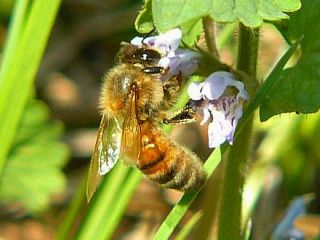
pixel 136 41
pixel 184 62
pixel 189 61
pixel 164 42
pixel 215 85
pixel 194 91
pixel 206 116
pixel 215 136
pixel 225 111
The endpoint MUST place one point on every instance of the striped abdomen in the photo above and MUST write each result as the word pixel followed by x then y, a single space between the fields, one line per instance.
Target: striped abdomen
pixel 167 163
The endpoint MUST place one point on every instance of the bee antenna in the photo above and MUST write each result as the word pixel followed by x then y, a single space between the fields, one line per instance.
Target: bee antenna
pixel 147 35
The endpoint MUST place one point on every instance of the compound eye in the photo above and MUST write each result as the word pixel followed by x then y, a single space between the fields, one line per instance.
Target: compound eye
pixel 147 55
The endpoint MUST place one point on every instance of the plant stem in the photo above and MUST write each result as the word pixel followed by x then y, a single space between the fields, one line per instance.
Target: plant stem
pixel 210 206
pixel 209 30
pixel 235 165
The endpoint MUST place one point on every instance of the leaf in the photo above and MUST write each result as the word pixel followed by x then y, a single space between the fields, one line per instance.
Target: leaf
pixel 144 24
pixel 108 203
pixel 170 14
pixel 191 32
pixel 298 87
pixel 188 227
pixel 144 20
pixel 33 170
pixel 252 12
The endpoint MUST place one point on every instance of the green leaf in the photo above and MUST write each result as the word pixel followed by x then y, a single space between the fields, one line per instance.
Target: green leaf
pixel 298 87
pixel 144 20
pixel 191 32
pixel 33 170
pixel 109 203
pixel 170 14
pixel 187 228
pixel 288 5
pixel 252 12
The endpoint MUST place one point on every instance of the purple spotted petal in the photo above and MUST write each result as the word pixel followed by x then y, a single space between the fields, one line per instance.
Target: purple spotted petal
pixel 220 129
pixel 225 114
pixel 224 123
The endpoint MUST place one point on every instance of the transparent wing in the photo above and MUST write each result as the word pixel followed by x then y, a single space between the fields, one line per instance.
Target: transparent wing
pixel 131 133
pixel 106 153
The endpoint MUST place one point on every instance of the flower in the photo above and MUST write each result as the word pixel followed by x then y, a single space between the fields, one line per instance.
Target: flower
pixel 174 59
pixel 223 110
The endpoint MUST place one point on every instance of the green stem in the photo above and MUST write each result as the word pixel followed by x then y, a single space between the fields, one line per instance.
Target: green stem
pixel 209 29
pixel 210 206
pixel 76 206
pixel 235 165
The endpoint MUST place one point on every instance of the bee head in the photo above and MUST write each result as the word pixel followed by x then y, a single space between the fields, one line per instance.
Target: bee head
pixel 133 54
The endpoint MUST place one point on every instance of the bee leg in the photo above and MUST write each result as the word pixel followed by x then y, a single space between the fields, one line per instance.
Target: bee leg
pixel 185 115
pixel 171 90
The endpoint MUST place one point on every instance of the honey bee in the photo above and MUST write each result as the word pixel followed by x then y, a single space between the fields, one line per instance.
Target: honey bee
pixel 134 102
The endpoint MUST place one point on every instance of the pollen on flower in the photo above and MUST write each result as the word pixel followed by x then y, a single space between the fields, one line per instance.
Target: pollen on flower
pixel 223 111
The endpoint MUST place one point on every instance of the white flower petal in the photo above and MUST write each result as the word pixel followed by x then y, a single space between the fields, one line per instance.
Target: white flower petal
pixel 175 61
pixel 172 38
pixel 225 111
pixel 215 85
pixel 165 42
pixel 165 62
pixel 224 128
pixel 194 91
pixel 215 136
pixel 189 61
pixel 206 116
pixel 137 41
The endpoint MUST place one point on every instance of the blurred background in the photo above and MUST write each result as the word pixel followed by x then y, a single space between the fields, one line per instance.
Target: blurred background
pixel 285 155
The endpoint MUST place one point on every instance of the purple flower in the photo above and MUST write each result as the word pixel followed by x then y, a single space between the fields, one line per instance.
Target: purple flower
pixel 222 110
pixel 174 59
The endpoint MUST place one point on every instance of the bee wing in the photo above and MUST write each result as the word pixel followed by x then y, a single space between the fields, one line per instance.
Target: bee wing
pixel 131 133
pixel 106 153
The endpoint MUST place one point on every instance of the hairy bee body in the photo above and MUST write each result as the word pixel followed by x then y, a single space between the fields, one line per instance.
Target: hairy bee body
pixel 134 99
pixel 114 96
pixel 167 163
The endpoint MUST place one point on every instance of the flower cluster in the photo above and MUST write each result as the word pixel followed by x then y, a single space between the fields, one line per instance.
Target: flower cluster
pixel 222 110
pixel 174 60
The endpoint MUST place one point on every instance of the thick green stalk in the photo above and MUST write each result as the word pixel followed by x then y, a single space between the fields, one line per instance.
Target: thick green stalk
pixel 234 167
pixel 20 63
